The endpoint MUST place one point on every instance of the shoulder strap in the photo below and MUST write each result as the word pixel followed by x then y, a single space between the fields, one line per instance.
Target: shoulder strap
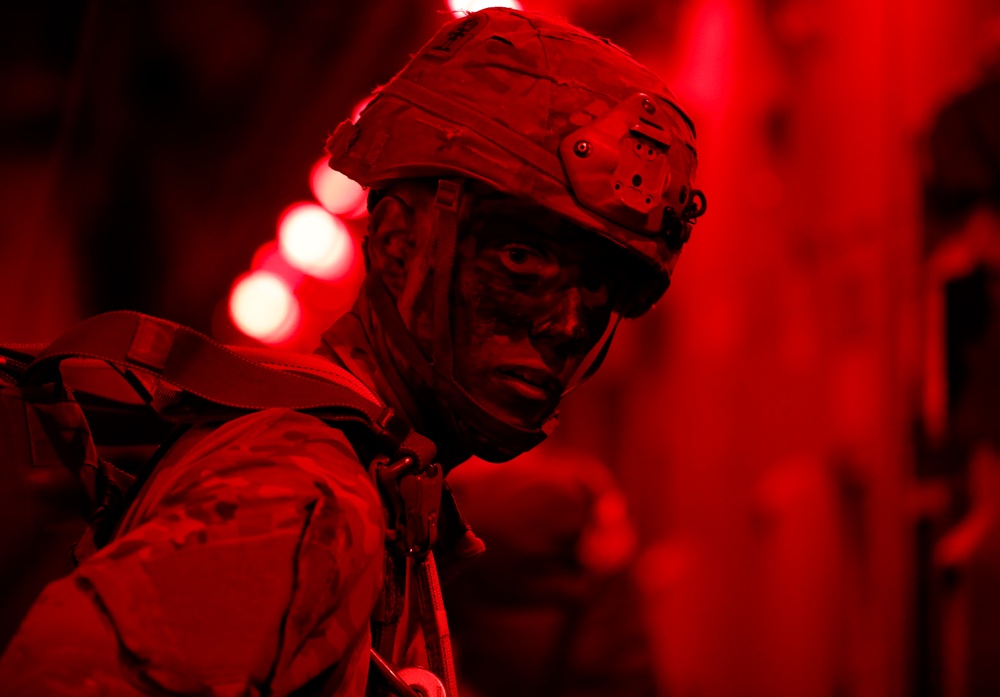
pixel 175 359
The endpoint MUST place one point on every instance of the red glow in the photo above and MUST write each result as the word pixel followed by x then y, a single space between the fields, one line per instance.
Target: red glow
pixel 338 194
pixel 314 241
pixel 707 68
pixel 268 258
pixel 262 306
pixel 610 541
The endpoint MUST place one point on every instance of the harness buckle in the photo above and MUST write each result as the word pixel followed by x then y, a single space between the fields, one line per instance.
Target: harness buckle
pixel 413 502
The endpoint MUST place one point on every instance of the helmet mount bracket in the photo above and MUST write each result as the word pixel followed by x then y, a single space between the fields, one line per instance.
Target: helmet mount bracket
pixel 622 166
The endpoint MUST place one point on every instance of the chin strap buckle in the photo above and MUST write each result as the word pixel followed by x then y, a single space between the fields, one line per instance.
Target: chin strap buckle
pixel 449 192
pixel 421 494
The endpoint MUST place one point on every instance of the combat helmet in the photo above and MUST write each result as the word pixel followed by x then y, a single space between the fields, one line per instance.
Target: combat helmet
pixel 541 110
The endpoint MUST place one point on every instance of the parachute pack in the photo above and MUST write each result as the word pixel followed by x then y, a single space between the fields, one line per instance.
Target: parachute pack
pixel 84 419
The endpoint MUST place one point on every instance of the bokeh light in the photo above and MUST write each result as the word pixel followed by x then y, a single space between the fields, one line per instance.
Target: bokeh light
pixel 269 258
pixel 262 306
pixel 461 6
pixel 338 193
pixel 314 241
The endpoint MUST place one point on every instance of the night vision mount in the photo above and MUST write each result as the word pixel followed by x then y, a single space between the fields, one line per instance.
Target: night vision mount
pixel 632 166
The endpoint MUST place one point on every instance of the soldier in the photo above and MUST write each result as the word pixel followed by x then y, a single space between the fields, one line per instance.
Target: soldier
pixel 529 185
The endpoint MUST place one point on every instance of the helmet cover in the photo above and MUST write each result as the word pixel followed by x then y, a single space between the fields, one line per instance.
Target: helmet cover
pixel 541 110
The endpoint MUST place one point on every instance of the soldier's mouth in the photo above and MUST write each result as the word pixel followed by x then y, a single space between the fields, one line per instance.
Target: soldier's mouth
pixel 529 382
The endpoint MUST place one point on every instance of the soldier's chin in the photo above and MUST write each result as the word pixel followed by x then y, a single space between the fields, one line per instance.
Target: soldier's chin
pixel 518 402
pixel 503 450
pixel 528 414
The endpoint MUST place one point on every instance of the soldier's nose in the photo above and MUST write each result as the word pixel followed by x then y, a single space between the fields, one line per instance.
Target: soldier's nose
pixel 565 322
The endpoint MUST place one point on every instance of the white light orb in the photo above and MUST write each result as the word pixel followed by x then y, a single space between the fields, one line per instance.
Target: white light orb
pixel 463 6
pixel 262 306
pixel 315 242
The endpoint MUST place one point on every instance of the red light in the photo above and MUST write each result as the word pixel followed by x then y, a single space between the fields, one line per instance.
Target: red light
pixel 262 306
pixel 609 541
pixel 315 242
pixel 338 193
pixel 706 76
pixel 269 258
pixel 462 6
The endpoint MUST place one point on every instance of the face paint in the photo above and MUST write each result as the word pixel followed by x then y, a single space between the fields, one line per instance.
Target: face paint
pixel 530 301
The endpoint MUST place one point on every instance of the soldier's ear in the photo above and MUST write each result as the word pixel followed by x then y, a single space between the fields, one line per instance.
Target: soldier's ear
pixel 392 240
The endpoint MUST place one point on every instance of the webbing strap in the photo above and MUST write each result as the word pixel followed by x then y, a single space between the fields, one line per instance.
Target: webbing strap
pixel 598 359
pixel 446 206
pixel 194 363
pixel 434 622
pixel 388 314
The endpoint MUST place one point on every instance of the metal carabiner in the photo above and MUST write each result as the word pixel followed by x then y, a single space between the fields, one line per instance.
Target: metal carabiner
pixel 408 682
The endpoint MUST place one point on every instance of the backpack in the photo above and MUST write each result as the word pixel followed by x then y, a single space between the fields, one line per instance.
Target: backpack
pixel 84 420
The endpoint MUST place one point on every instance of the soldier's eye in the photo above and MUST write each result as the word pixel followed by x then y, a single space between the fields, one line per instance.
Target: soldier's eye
pixel 597 291
pixel 522 259
pixel 517 256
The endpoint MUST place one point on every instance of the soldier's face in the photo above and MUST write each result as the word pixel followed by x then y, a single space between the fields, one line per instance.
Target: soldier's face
pixel 532 296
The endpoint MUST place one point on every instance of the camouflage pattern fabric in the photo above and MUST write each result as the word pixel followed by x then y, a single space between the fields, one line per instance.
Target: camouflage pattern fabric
pixel 249 564
pixel 504 96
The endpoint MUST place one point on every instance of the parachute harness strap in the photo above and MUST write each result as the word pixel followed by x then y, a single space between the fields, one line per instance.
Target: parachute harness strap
pixel 434 622
pixel 412 498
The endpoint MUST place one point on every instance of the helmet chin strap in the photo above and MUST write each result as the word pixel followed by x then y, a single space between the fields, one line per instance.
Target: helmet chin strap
pixel 447 204
pixel 598 359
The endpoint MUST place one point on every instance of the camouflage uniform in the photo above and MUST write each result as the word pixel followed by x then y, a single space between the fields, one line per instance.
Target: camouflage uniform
pixel 249 564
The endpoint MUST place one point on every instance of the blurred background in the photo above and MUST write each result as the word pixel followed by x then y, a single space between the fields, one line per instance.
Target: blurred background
pixel 800 441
